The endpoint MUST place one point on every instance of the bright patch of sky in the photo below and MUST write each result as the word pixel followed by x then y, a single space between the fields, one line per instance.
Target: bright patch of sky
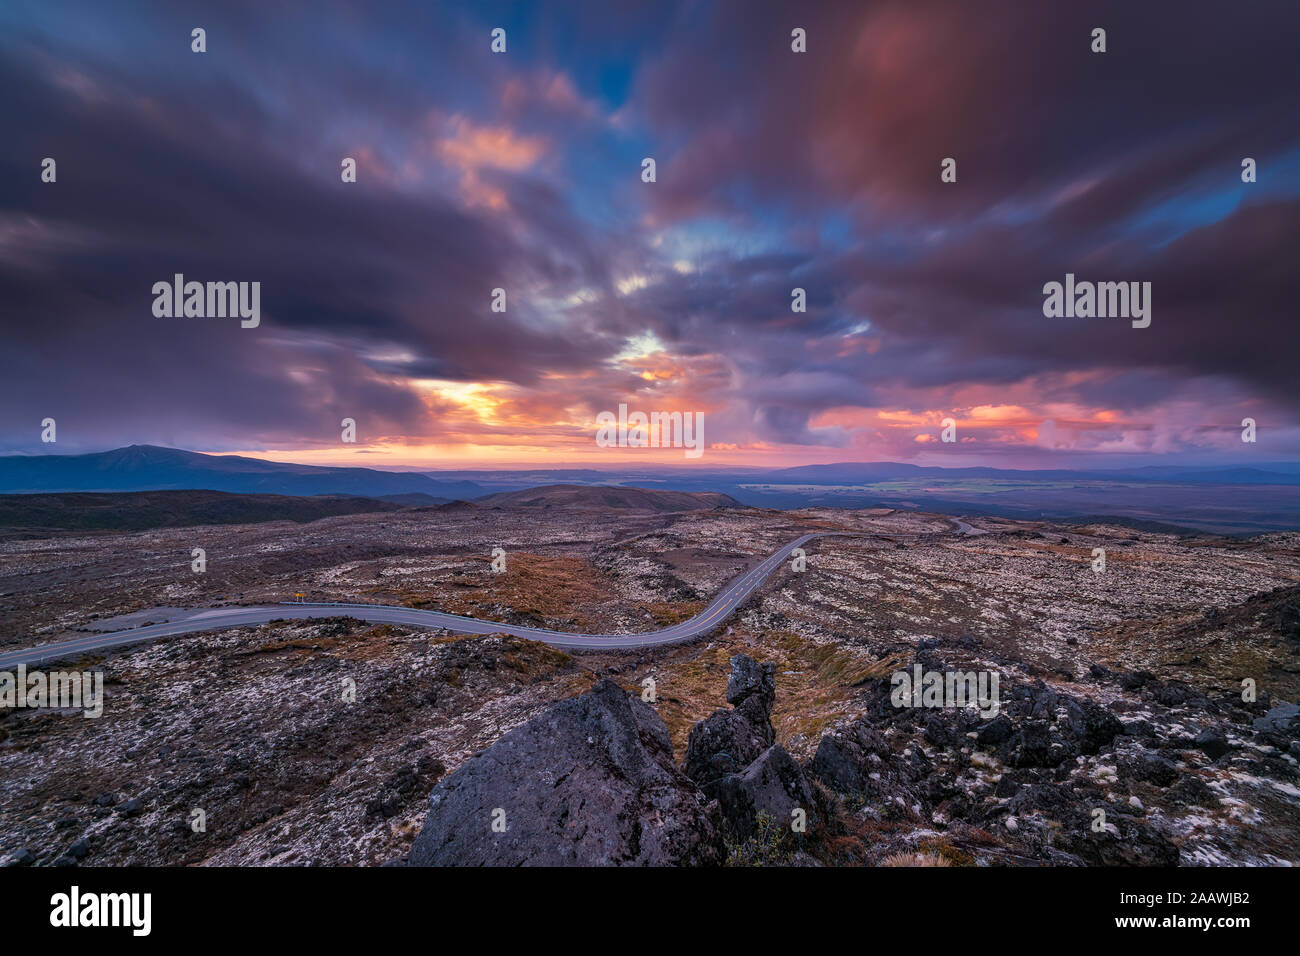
pixel 639 346
pixel 700 240
pixel 629 284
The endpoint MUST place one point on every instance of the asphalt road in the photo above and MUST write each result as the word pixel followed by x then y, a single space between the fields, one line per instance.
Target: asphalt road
pixel 211 619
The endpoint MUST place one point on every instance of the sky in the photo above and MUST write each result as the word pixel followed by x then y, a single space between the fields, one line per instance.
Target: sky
pixel 775 170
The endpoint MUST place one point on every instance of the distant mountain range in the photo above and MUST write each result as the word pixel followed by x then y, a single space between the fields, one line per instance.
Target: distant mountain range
pixel 150 468
pixel 1272 473
pixel 1234 500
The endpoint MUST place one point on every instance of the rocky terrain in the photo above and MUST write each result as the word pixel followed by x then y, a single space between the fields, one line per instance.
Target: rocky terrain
pixel 1057 779
pixel 338 742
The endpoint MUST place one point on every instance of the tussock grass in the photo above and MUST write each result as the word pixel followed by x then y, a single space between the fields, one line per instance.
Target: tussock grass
pixel 667 613
pixel 945 851
pixel 914 859
pixel 535 587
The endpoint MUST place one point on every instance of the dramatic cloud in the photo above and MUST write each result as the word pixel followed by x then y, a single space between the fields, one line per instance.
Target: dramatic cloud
pixel 776 170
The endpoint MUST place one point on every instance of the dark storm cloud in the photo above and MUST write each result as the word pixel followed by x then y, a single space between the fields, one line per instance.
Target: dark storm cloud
pixel 1011 90
pixel 980 302
pixel 156 179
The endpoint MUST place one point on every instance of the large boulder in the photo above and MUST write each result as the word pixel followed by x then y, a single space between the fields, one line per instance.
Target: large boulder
pixel 858 762
pixel 1034 744
pixel 1282 719
pixel 1148 767
pixel 589 782
pixel 723 743
pixel 845 759
pixel 1092 725
pixel 773 785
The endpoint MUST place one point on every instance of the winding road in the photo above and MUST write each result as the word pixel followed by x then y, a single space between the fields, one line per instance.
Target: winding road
pixel 211 619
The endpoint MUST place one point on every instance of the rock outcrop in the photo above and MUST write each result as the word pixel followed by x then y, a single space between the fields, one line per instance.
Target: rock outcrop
pixel 721 744
pixel 751 689
pixel 728 741
pixel 845 760
pixel 589 782
pixel 1054 778
pixel 733 756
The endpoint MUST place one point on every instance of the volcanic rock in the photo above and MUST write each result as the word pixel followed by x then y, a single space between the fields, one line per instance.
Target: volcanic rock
pixel 728 741
pixel 589 782
pixel 773 785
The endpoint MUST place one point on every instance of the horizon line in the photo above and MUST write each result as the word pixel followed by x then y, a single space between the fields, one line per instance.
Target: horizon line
pixel 664 463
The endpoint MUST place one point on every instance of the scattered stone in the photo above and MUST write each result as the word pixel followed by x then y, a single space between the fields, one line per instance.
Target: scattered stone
pixel 995 731
pixel 1148 767
pixel 1191 790
pixel 21 857
pixel 1092 725
pixel 1212 742
pixel 1281 719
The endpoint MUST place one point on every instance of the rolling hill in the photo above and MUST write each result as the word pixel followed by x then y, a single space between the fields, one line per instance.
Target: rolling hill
pixel 606 497
pixel 24 516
